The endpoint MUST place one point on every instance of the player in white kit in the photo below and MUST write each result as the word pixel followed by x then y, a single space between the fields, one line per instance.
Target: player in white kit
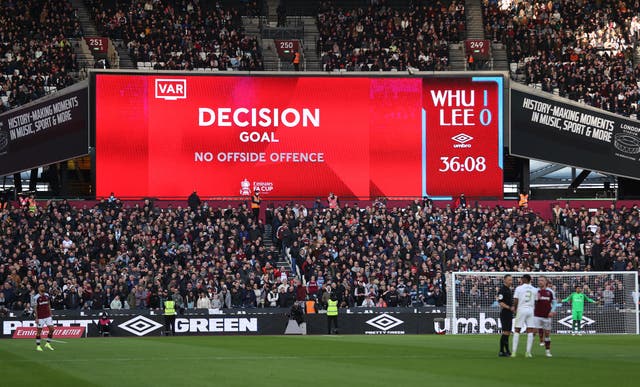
pixel 524 303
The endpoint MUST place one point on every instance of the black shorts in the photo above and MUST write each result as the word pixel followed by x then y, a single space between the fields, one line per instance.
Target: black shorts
pixel 506 320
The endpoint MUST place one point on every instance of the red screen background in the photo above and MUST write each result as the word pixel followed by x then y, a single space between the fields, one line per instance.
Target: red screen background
pixel 371 134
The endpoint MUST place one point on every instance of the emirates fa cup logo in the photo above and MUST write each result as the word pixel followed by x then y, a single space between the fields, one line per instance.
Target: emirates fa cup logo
pixel 245 188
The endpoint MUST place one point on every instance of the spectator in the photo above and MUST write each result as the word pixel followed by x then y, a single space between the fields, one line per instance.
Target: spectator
pixel 461 201
pixel 28 312
pixel 141 297
pixel 194 201
pixel 392 298
pixel 179 35
pixel 438 297
pixel 216 300
pixel 178 300
pixel 72 301
pixel 382 251
pixel 39 59
pixel 368 303
pixel 301 291
pixel 608 296
pixel 332 200
pixel 380 38
pixel 226 297
pixel 190 300
pixel 116 304
pixel 580 50
pixel 99 299
pixel 203 301
pixel 154 300
pixel 273 298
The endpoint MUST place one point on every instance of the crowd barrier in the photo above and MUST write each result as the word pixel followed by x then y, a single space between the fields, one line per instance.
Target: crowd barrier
pixel 540 207
pixel 374 321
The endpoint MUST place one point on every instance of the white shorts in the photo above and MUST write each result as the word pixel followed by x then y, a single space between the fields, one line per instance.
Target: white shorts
pixel 45 322
pixel 524 318
pixel 543 323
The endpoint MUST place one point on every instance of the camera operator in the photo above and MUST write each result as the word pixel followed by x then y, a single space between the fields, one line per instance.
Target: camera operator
pixel 104 324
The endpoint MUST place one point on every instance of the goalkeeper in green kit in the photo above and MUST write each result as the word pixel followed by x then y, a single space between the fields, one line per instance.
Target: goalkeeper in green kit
pixel 577 299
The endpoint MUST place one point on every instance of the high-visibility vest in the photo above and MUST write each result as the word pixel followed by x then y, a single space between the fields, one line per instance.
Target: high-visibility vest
pixel 524 200
pixel 296 57
pixel 169 308
pixel 255 201
pixel 33 206
pixel 332 309
pixel 310 307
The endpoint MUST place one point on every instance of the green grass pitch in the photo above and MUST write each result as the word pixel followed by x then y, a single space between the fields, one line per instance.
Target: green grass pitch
pixel 388 361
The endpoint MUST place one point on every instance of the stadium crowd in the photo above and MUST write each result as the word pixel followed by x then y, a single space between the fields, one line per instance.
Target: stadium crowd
pixel 115 256
pixel 179 34
pixel 35 53
pixel 582 50
pixel 381 38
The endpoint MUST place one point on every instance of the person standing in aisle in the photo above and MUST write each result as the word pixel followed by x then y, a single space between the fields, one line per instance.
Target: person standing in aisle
pixel 332 313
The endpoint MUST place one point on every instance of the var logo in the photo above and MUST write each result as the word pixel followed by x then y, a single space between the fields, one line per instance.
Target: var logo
pixel 171 89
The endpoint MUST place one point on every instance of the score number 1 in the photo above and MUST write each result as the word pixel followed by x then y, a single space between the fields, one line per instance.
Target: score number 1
pixel 468 164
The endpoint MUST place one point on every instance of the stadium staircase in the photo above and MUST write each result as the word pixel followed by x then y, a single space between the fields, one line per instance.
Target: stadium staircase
pixel 457 60
pixel 86 22
pixel 499 57
pixel 118 58
pixel 298 27
pixel 475 30
pixel 309 43
pixel 475 26
pixel 84 57
pixel 81 50
pixel 268 242
pixel 272 11
pixel 123 53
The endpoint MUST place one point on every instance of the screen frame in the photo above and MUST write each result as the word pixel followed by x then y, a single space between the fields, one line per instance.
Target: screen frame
pixel 566 101
pixel 80 88
pixel 504 75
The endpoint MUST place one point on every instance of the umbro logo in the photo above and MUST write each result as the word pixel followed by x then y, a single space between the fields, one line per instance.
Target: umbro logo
pixel 462 139
pixel 568 320
pixel 384 322
pixel 140 326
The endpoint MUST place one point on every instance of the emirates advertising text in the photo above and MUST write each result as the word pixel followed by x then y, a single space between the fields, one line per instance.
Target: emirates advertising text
pixel 229 135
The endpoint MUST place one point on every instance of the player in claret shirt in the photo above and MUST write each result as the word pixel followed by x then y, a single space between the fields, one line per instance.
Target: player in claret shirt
pixel 545 309
pixel 43 317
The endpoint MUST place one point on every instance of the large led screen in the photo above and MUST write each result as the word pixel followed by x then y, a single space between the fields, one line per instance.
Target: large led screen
pixel 227 135
pixel 549 128
pixel 46 131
